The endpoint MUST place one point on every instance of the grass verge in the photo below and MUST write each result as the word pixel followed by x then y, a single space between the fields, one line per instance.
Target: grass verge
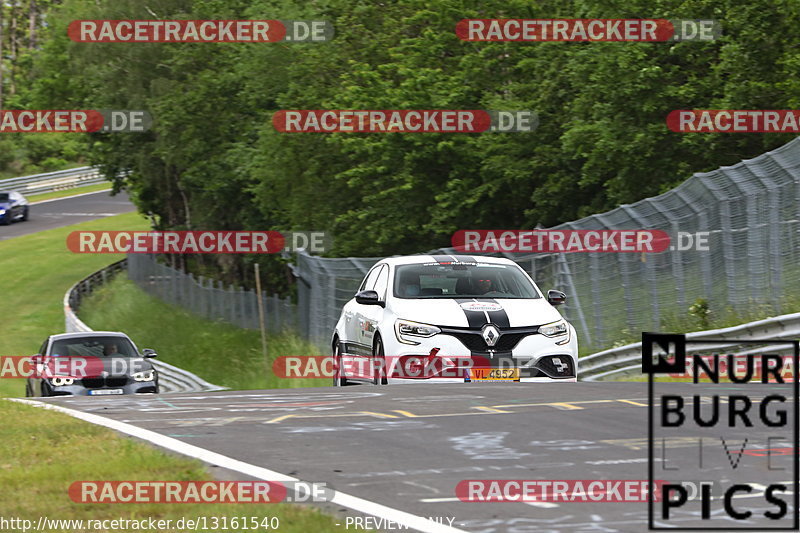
pixel 216 351
pixel 35 272
pixel 68 192
pixel 44 452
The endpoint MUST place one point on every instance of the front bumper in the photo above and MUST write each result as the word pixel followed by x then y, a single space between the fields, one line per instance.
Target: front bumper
pixel 539 358
pixel 78 389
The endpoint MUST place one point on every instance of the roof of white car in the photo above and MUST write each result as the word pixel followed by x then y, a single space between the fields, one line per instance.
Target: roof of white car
pixel 88 334
pixel 442 258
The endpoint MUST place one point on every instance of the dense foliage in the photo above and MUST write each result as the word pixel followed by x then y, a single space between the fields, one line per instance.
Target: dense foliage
pixel 213 159
pixel 21 25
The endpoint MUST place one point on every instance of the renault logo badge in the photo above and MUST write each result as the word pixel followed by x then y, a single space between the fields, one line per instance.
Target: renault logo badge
pixel 490 334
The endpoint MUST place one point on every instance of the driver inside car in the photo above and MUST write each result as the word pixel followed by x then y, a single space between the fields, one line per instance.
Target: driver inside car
pixel 483 286
pixel 110 349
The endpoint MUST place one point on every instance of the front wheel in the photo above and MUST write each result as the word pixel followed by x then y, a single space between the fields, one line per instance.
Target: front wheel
pixel 24 215
pixel 339 379
pixel 379 364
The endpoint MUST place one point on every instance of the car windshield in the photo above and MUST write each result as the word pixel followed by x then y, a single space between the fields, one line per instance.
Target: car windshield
pixel 462 280
pixel 4 197
pixel 93 347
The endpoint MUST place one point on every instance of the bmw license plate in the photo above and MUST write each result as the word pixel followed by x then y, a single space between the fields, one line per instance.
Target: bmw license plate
pixel 494 374
pixel 104 392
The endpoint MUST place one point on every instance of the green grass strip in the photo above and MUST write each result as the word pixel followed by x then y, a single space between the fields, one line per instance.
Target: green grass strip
pixel 216 351
pixel 42 453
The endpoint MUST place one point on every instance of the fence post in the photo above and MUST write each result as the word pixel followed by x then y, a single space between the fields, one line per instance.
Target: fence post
pixel 217 312
pixel 276 311
pixel 193 295
pixel 776 268
pixel 173 277
pixel 262 326
pixel 232 307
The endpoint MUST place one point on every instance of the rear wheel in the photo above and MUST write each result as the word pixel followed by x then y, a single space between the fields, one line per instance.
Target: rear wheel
pixel 339 380
pixel 379 364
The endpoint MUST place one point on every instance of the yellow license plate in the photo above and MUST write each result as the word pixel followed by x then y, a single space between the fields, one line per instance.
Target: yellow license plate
pixel 494 374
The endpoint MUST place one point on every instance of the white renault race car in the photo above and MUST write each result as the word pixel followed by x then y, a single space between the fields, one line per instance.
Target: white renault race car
pixel 452 318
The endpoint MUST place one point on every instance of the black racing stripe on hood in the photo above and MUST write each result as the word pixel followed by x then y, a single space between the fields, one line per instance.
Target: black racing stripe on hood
pixel 476 319
pixel 498 318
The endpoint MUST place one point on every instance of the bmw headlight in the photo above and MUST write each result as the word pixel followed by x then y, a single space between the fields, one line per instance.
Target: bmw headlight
pixel 146 375
pixel 554 329
pixel 406 331
pixel 59 381
pixel 2 211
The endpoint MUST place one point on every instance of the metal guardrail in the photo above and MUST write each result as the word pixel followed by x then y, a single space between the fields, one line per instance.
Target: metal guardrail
pixel 627 360
pixel 53 181
pixel 170 378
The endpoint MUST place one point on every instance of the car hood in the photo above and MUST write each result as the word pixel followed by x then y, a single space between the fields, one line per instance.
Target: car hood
pixel 454 313
pixel 5 205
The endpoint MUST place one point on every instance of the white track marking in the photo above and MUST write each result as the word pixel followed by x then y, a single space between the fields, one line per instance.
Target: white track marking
pixel 207 456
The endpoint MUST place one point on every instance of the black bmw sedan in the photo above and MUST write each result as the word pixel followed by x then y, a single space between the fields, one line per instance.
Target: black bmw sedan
pixel 95 363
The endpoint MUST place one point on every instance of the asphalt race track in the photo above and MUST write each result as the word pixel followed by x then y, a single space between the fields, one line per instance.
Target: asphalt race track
pixel 407 447
pixel 61 212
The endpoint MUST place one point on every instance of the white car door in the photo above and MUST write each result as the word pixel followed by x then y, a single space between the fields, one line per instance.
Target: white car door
pixel 356 351
pixel 368 318
pixel 370 315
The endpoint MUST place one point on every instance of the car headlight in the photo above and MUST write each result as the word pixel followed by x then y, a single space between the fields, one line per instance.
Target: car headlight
pixel 59 381
pixel 406 331
pixel 2 211
pixel 146 375
pixel 555 329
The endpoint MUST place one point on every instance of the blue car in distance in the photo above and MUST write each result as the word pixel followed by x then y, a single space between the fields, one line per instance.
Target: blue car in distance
pixel 13 207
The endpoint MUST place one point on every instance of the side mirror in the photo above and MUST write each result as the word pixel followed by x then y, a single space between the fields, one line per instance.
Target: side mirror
pixel 369 298
pixel 556 297
pixel 147 353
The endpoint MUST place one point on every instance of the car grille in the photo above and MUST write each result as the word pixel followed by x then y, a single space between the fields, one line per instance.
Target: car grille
pixel 474 342
pixel 99 383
